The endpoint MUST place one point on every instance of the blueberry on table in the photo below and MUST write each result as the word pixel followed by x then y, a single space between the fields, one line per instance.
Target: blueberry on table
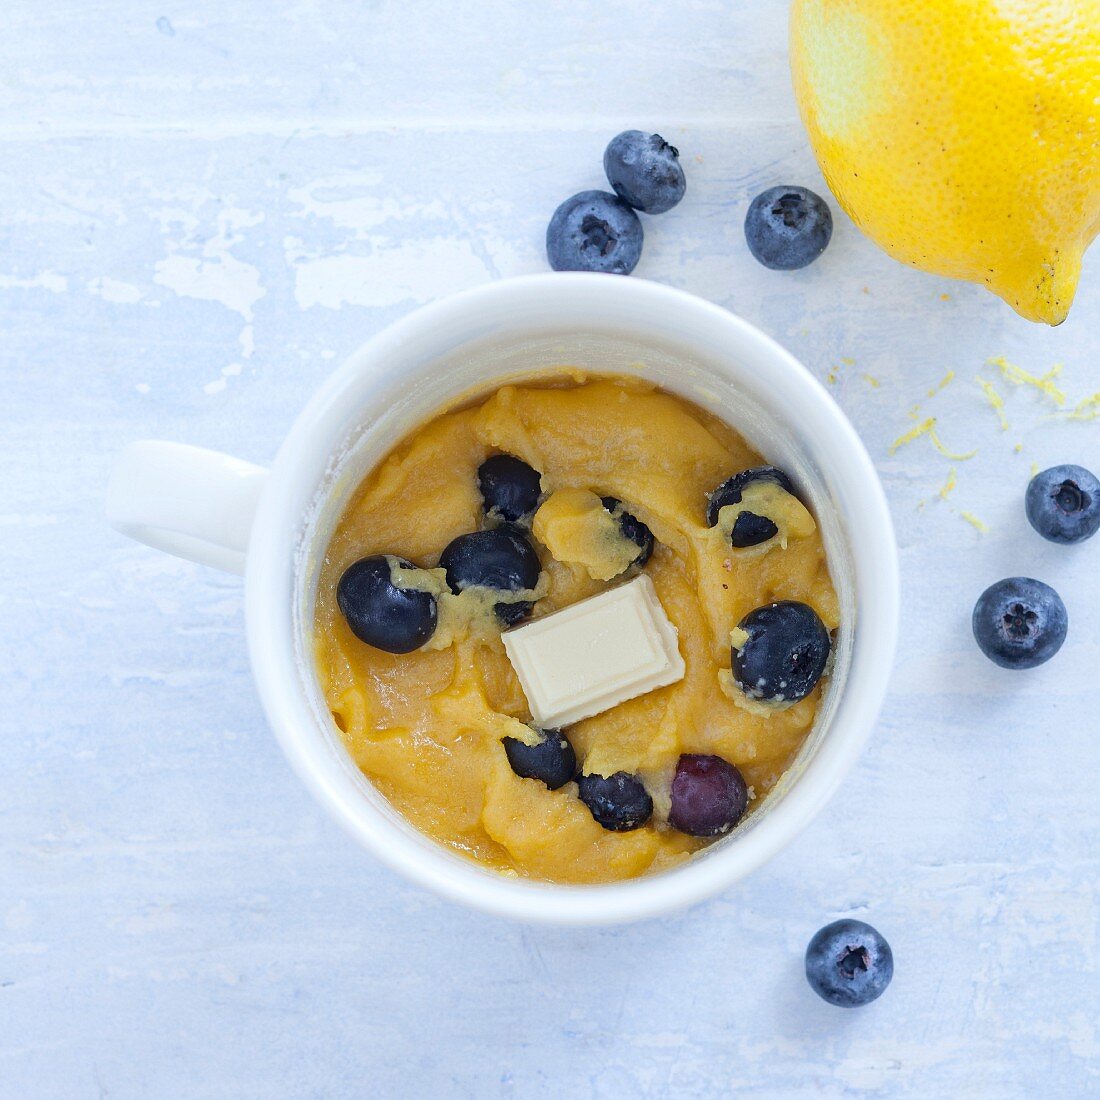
pixel 644 170
pixel 849 964
pixel 788 227
pixel 501 558
pixel 709 795
pixel 397 620
pixel 632 528
pixel 618 802
pixel 552 761
pixel 783 652
pixel 1019 622
pixel 509 487
pixel 749 529
pixel 594 231
pixel 1063 504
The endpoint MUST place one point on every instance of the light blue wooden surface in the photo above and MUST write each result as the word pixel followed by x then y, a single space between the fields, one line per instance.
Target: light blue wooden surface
pixel 202 207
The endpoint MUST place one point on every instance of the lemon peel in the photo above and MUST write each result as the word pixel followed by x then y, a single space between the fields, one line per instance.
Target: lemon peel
pixel 977 524
pixel 914 433
pixel 928 427
pixel 1044 383
pixel 949 485
pixel 960 135
pixel 996 402
pixel 1087 408
pixel 945 452
pixel 942 384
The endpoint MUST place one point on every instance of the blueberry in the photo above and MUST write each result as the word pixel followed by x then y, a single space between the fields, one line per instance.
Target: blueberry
pixel 788 227
pixel 619 802
pixel 509 487
pixel 552 761
pixel 709 795
pixel 515 612
pixel 645 171
pixel 633 529
pixel 1019 622
pixel 501 558
pixel 784 653
pixel 849 964
pixel 397 620
pixel 1063 504
pixel 749 529
pixel 594 231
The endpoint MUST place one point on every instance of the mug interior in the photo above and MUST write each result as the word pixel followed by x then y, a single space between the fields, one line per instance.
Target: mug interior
pixel 512 332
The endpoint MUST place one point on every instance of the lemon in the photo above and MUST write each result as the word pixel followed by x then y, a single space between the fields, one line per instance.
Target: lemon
pixel 963 136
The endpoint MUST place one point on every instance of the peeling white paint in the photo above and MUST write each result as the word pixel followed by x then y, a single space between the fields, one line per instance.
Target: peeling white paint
pixel 45 280
pixel 114 290
pixel 212 278
pixel 391 274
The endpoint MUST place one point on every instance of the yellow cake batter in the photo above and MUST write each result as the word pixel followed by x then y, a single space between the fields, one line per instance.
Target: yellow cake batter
pixel 426 726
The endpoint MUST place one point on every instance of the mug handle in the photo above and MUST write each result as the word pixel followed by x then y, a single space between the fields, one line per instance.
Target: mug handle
pixel 187 501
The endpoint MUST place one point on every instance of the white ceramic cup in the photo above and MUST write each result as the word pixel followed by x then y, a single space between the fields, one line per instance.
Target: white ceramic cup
pixel 273 526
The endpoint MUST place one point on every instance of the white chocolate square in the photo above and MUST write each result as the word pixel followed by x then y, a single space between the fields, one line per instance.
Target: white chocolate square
pixel 595 654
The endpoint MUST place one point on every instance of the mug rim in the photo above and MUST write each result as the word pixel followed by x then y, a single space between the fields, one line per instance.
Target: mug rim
pixel 273 566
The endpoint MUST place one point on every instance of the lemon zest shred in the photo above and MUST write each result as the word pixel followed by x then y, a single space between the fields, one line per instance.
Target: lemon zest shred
pixel 928 427
pixel 942 384
pixel 922 428
pixel 848 362
pixel 949 484
pixel 977 524
pixel 1034 468
pixel 872 381
pixel 1020 377
pixel 1018 448
pixel 938 444
pixel 996 402
pixel 1088 408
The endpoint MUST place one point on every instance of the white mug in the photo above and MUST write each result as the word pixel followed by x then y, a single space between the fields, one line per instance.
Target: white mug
pixel 273 526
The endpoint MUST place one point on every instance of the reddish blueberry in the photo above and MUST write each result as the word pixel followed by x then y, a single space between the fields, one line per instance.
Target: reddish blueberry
pixel 709 795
